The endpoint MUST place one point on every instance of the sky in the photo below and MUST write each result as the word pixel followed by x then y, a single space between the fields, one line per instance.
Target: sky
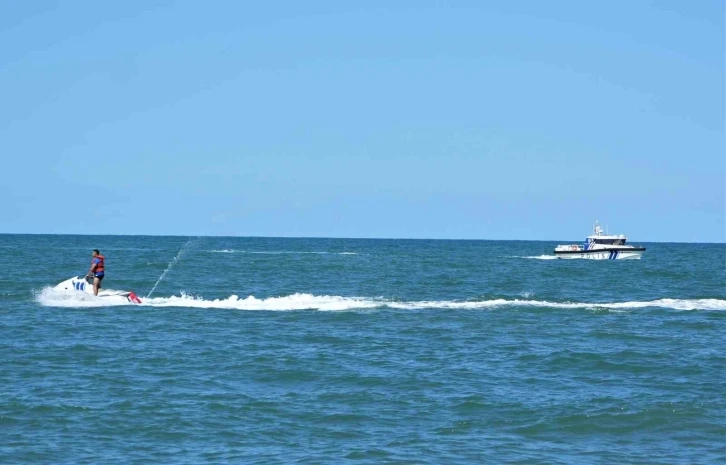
pixel 408 119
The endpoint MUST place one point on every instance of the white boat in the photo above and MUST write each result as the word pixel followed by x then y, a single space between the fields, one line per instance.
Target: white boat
pixel 79 284
pixel 601 246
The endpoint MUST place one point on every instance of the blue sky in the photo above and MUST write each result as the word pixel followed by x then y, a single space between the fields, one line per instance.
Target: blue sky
pixel 480 120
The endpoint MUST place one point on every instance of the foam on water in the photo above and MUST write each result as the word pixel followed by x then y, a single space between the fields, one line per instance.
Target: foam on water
pixel 51 298
pixel 281 252
pixel 534 257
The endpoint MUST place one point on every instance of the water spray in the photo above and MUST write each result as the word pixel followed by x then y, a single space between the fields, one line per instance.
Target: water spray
pixel 173 261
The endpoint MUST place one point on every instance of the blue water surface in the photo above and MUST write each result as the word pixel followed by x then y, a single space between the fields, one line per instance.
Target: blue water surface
pixel 279 350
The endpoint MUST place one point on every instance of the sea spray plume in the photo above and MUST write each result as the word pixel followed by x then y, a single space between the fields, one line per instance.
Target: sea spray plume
pixel 173 261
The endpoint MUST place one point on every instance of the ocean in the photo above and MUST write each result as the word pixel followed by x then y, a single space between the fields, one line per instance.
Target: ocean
pixel 311 351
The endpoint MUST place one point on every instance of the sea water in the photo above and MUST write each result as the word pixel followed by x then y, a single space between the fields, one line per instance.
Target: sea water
pixel 270 350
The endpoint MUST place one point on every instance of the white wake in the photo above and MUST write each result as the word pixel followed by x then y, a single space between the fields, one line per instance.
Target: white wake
pixel 51 298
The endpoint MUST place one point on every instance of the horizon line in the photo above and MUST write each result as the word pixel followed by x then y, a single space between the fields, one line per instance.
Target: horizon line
pixel 337 237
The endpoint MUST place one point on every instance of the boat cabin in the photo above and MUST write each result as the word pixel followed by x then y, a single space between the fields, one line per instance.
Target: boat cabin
pixel 604 239
pixel 619 240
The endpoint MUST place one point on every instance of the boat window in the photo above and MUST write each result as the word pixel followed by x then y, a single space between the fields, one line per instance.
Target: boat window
pixel 604 241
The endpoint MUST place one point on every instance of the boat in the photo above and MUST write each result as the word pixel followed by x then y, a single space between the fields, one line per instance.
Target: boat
pixel 601 246
pixel 79 284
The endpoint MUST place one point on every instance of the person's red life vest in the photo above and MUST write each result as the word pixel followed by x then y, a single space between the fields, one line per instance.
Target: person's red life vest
pixel 99 265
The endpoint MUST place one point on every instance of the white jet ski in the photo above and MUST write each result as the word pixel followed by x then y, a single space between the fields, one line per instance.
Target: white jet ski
pixel 79 284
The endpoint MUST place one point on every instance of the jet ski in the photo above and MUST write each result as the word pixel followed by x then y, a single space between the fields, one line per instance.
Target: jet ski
pixel 79 284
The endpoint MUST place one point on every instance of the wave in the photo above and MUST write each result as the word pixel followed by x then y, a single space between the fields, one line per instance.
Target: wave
pixel 537 257
pixel 51 298
pixel 280 252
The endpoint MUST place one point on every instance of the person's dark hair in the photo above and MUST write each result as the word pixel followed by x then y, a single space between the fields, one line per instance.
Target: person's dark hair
pixel 97 251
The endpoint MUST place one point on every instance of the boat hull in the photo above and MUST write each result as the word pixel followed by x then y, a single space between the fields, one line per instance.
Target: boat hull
pixel 634 253
pixel 79 284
